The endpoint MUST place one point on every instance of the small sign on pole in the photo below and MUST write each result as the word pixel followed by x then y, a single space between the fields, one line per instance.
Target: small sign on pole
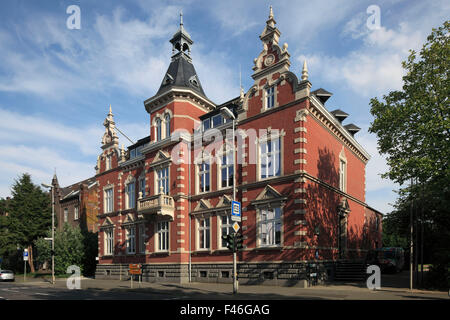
pixel 25 259
pixel 134 269
pixel 236 211
pixel 25 255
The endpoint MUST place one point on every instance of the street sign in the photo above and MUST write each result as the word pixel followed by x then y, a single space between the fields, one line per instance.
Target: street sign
pixel 236 211
pixel 135 269
pixel 236 227
pixel 25 255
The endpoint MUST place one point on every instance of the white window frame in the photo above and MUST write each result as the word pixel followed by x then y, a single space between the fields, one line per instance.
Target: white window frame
pixel 269 93
pixel 108 238
pixel 270 155
pixel 158 128
pixel 66 214
pixel 228 166
pixel 76 213
pixel 142 185
pixel 271 238
pixel 202 174
pixel 221 226
pixel 108 208
pixel 342 175
pixel 130 239
pixel 142 238
pixel 164 180
pixel 162 243
pixel 167 118
pixel 130 195
pixel 203 231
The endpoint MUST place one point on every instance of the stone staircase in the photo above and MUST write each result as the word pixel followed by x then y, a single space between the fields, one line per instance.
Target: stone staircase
pixel 350 271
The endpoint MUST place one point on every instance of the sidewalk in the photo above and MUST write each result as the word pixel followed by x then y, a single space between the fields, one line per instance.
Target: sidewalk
pixel 217 290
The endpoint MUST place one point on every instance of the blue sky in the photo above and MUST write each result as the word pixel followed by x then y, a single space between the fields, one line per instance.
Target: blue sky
pixel 56 84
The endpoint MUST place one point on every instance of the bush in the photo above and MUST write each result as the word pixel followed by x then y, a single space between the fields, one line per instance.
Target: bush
pixel 72 247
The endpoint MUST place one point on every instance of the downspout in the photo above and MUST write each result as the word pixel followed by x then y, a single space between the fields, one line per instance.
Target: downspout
pixel 189 212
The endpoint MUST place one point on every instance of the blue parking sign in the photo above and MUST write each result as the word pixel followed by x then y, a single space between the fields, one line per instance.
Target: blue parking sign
pixel 236 211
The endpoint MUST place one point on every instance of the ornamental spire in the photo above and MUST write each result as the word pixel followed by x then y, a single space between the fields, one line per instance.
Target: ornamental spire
pixel 110 135
pixel 305 71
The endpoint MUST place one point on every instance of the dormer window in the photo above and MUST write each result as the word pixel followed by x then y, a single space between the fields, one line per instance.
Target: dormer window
pixel 270 97
pixel 206 124
pixel 217 120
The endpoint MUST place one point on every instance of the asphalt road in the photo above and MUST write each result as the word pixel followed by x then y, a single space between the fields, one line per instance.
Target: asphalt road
pixel 92 289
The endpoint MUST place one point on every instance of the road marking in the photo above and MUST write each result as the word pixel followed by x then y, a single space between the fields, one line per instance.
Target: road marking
pixel 41 294
pixel 10 290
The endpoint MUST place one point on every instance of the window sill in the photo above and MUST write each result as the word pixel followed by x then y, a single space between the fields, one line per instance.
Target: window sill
pixel 202 251
pixel 278 247
pixel 160 253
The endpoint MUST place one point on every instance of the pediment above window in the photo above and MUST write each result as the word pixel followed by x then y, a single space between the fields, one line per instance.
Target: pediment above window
pixel 129 219
pixel 107 223
pixel 203 205
pixel 224 202
pixel 161 157
pixel 269 196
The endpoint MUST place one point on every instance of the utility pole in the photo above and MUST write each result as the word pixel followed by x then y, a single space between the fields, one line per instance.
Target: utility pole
pixel 53 229
pixel 411 243
pixel 230 115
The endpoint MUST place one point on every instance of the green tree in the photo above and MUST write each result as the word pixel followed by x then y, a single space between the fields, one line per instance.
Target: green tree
pixel 413 130
pixel 69 249
pixel 29 216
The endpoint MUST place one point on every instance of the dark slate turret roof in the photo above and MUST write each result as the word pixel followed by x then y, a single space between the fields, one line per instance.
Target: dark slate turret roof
pixel 181 73
pixel 339 114
pixel 352 128
pixel 322 94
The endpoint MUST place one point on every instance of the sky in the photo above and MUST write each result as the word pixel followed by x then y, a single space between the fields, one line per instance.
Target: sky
pixel 56 83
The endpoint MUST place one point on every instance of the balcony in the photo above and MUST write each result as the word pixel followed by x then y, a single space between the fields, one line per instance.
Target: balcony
pixel 157 206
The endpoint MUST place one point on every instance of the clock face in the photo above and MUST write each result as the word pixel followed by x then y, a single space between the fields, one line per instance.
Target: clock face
pixel 269 60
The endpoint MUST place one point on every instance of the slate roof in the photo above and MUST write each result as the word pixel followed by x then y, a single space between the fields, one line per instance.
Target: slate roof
pixel 74 189
pixel 339 114
pixel 322 94
pixel 181 74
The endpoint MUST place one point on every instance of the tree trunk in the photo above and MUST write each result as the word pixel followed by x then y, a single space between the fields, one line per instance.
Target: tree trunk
pixel 30 258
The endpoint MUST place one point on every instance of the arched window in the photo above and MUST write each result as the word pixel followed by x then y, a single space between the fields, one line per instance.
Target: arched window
pixel 158 129
pixel 167 120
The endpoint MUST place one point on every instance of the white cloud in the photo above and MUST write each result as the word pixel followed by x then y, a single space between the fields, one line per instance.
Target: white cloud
pixel 34 145
pixel 21 128
pixel 40 163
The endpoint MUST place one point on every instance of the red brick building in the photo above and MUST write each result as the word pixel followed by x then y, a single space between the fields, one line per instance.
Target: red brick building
pixel 76 204
pixel 300 176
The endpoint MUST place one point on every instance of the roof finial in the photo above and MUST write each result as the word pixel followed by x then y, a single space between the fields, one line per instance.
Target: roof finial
pixel 271 13
pixel 305 71
pixel 181 17
pixel 110 110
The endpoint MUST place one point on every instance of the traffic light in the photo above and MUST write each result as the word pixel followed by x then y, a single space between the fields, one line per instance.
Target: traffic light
pixel 230 242
pixel 238 241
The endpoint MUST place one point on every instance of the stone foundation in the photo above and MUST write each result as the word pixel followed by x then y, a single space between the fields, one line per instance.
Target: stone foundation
pixel 302 274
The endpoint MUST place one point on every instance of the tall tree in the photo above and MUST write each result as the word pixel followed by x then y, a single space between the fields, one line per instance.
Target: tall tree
pixel 413 130
pixel 29 214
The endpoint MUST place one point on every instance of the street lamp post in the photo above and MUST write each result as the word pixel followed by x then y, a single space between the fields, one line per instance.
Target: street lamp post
pixel 227 113
pixel 53 230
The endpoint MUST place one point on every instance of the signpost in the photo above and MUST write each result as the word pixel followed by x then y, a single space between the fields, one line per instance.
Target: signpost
pixel 236 211
pixel 25 259
pixel 135 269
